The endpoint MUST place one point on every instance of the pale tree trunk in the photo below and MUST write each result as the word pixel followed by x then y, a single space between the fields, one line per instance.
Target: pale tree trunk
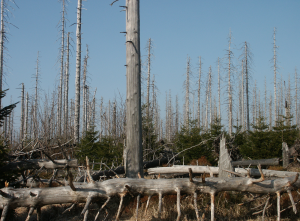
pixel 275 71
pixel 247 88
pixel 242 96
pixel 148 78
pixel 22 114
pixel 296 98
pixel 133 153
pixel 199 92
pixel 66 92
pixel 26 117
pixel 84 93
pixel 101 119
pixel 187 94
pixel 229 89
pixel 2 34
pixel 77 78
pixel 219 89
pixel 35 120
pixel 270 113
pixel 177 116
pixel 210 97
pixel 265 99
pixel 60 96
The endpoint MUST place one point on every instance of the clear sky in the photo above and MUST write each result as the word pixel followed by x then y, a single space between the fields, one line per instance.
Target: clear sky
pixel 178 29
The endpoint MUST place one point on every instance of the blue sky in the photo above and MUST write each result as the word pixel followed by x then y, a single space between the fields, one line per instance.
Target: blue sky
pixel 178 29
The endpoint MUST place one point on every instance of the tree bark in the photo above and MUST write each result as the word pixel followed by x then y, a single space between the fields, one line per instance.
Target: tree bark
pixel 133 153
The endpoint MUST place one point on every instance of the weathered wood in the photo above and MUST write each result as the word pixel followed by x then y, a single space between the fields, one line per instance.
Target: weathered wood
pixel 56 195
pixel 262 162
pixel 224 159
pixel 285 155
pixel 133 153
pixel 215 170
pixel 37 164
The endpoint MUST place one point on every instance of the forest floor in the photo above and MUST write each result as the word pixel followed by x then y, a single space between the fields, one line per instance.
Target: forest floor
pixel 226 208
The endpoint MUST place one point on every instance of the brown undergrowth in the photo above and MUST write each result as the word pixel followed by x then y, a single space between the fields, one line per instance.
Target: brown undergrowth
pixel 226 208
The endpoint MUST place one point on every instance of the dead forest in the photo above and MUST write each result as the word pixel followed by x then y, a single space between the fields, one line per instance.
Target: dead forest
pixel 88 153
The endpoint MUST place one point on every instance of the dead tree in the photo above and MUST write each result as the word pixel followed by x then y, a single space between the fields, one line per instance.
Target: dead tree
pixel 133 153
pixel 77 78
pixel 66 90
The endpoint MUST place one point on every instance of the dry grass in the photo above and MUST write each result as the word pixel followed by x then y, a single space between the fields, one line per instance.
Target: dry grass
pixel 226 204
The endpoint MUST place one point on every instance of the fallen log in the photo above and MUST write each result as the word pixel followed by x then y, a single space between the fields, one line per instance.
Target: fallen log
pixel 37 164
pixel 35 198
pixel 262 162
pixel 215 170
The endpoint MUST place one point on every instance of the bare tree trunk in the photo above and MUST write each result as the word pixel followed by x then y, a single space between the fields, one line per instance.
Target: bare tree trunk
pixel 2 34
pixel 187 94
pixel 66 92
pixel 35 120
pixel 26 117
pixel 229 89
pixel 22 114
pixel 296 98
pixel 60 96
pixel 77 79
pixel 148 78
pixel 219 89
pixel 247 87
pixel 199 92
pixel 133 153
pixel 275 71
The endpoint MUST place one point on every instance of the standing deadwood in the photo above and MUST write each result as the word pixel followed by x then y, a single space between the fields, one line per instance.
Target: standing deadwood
pixel 199 92
pixel 66 92
pixel 247 85
pixel 229 88
pixel 285 155
pixel 148 78
pixel 35 120
pixel 177 116
pixel 101 119
pixel 22 114
pixel 114 130
pixel 187 93
pixel 242 98
pixel 26 117
pixel 77 78
pixel 275 72
pixel 84 92
pixel 219 89
pixel 1 46
pixel 62 50
pixel 296 97
pixel 133 153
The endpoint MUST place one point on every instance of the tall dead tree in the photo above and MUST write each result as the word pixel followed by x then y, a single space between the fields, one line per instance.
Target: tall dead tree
pixel 77 78
pixel 219 89
pixel 84 91
pixel 66 90
pixel 62 50
pixel 35 110
pixel 296 98
pixel 133 153
pixel 148 77
pixel 199 92
pixel 22 113
pixel 187 93
pixel 275 72
pixel 2 35
pixel 229 90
